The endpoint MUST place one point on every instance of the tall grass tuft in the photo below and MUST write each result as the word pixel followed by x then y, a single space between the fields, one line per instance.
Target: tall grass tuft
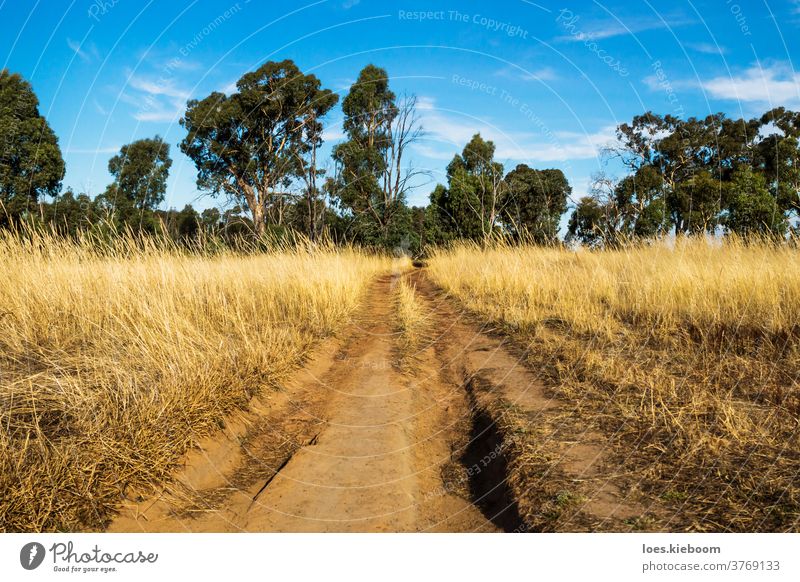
pixel 411 323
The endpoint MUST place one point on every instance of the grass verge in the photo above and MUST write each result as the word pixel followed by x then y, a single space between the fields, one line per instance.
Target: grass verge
pixel 115 360
pixel 685 355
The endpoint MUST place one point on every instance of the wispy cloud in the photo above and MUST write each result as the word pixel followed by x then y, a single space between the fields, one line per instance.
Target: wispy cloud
pixel 157 87
pixel 100 109
pixel 774 85
pixel 160 114
pixel 446 134
pixel 603 29
pixel 343 84
pixel 180 64
pixel 426 103
pixel 87 53
pixel 569 145
pixel 156 100
pixel 541 74
pixel 229 88
pixel 706 48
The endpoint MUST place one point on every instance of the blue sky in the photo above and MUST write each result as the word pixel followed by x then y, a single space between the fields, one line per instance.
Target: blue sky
pixel 547 82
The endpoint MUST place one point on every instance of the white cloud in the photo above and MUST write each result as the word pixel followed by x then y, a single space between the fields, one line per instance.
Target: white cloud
pixel 441 127
pixel 426 103
pixel 774 85
pixel 446 134
pixel 653 83
pixel 229 88
pixel 179 64
pixel 333 132
pixel 574 145
pixel 343 84
pixel 543 74
pixel 435 151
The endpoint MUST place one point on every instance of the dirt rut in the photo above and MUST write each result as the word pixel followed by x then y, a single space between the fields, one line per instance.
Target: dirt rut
pixel 549 473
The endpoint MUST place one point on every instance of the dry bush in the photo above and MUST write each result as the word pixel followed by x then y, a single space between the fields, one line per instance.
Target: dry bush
pixel 115 359
pixel 685 353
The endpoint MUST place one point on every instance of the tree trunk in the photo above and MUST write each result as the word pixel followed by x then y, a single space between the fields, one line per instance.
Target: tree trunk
pixel 258 220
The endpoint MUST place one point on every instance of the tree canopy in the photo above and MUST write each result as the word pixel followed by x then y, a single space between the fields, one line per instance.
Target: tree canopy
pixel 699 175
pixel 534 202
pixel 251 145
pixel 140 172
pixel 472 203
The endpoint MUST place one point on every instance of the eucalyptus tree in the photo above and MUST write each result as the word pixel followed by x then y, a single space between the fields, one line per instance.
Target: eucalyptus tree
pixel 373 177
pixel 251 145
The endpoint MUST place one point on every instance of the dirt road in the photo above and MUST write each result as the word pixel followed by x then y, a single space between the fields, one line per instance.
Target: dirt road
pixel 356 442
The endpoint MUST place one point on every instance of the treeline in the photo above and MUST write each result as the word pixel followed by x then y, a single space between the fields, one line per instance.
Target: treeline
pixel 696 176
pixel 257 149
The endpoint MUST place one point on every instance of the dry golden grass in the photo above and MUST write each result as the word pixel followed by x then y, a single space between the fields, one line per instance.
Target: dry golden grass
pixel 685 354
pixel 411 322
pixel 113 362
